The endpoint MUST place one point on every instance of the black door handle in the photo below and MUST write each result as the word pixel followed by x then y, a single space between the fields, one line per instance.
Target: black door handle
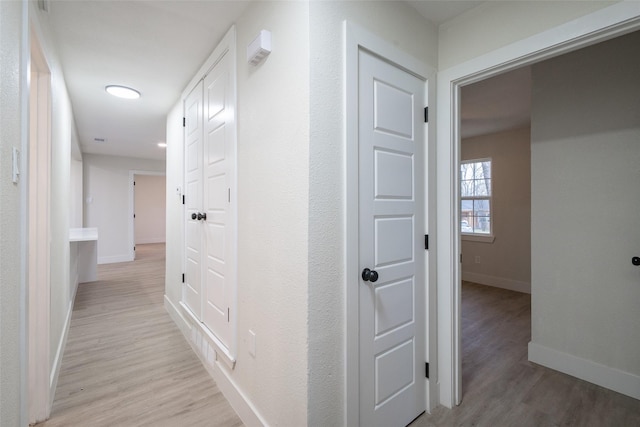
pixel 369 275
pixel 194 216
pixel 202 216
pixel 635 260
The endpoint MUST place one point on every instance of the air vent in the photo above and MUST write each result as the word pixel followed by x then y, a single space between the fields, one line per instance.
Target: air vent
pixel 100 140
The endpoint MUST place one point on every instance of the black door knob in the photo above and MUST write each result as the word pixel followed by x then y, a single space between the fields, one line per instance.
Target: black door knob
pixel 202 216
pixel 194 216
pixel 635 260
pixel 369 275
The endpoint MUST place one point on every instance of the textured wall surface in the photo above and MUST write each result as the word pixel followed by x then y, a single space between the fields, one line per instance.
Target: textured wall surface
pixel 12 23
pixel 585 152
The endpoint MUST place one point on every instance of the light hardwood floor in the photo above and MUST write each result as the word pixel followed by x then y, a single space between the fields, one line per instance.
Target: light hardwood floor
pixel 126 363
pixel 502 388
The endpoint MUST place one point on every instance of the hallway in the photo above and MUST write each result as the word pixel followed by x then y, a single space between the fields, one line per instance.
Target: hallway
pixel 126 363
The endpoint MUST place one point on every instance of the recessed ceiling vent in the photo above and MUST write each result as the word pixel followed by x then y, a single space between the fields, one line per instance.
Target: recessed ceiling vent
pixel 100 140
pixel 43 5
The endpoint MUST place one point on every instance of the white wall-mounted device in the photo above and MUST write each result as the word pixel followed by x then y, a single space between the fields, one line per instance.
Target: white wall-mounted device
pixel 259 48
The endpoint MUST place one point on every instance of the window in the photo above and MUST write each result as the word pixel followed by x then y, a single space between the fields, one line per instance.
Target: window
pixel 475 197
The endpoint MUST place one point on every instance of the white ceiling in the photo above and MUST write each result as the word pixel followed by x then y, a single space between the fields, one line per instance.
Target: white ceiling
pixel 152 46
pixel 500 103
pixel 439 11
pixel 156 47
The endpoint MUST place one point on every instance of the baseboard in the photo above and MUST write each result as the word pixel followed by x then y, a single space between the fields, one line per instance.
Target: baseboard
pixel 62 344
pixel 151 240
pixel 114 258
pixel 240 403
pixel 604 376
pixel 498 282
pixel 247 412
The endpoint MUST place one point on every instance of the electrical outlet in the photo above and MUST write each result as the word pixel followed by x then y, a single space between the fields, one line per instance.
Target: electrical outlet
pixel 252 343
pixel 477 259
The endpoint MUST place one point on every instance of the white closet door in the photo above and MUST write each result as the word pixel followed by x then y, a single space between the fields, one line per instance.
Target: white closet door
pixel 219 170
pixel 192 295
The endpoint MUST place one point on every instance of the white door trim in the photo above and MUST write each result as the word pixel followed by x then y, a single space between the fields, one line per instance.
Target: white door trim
pixel 357 38
pixel 131 231
pixel 607 23
pixel 41 382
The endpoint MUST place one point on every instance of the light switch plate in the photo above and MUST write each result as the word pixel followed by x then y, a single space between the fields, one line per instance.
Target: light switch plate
pixel 16 165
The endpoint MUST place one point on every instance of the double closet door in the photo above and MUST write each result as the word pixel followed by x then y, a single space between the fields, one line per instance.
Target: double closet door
pixel 210 206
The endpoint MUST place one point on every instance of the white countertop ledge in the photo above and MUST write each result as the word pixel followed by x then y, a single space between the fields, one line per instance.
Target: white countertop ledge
pixel 83 234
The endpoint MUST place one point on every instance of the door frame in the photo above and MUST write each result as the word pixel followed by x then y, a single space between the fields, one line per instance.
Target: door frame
pixel 41 383
pixel 357 38
pixel 131 230
pixel 607 23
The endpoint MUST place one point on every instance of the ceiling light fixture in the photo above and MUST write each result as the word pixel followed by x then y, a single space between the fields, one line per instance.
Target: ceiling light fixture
pixel 162 144
pixel 122 92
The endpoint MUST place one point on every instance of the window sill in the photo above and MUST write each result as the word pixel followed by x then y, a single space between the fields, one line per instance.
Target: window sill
pixel 477 238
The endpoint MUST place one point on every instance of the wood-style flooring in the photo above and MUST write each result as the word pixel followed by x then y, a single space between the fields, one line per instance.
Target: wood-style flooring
pixel 126 363
pixel 502 388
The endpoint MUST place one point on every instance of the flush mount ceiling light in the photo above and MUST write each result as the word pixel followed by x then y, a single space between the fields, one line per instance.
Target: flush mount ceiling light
pixel 122 92
pixel 162 144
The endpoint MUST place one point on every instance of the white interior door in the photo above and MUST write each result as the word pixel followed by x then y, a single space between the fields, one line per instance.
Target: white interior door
pixel 219 169
pixel 392 312
pixel 192 295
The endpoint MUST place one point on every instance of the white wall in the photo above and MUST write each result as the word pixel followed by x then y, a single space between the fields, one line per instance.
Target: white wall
pixel 493 25
pixel 403 27
pixel 273 199
pixel 584 162
pixel 13 121
pixel 505 262
pixel 150 209
pixel 106 197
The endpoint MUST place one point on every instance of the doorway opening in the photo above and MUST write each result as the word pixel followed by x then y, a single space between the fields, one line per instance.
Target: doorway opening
pixel 565 143
pixel 147 207
pixel 495 225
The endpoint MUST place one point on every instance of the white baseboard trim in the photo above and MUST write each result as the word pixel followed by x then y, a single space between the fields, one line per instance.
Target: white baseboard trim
pixel 149 240
pixel 604 376
pixel 247 412
pixel 114 258
pixel 498 282
pixel 240 403
pixel 62 344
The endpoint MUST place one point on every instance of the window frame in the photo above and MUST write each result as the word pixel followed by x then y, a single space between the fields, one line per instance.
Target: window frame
pixel 471 236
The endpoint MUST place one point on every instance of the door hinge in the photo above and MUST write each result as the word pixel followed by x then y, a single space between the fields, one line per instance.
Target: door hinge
pixel 134 215
pixel 182 277
pixel 134 248
pixel 228 314
pixel 426 114
pixel 184 122
pixel 426 370
pixel 183 199
pixel 134 183
pixel 229 194
pixel 426 241
pixel 460 258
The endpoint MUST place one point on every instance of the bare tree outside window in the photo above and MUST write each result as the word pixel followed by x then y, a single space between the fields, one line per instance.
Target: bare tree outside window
pixel 475 197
